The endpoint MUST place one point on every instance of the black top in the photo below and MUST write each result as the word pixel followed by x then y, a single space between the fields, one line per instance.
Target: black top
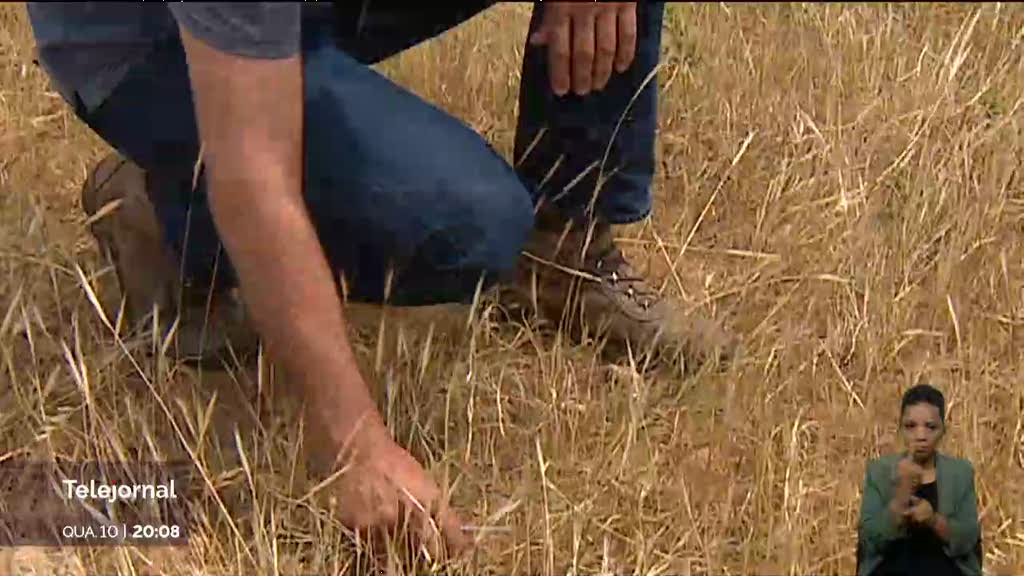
pixel 920 553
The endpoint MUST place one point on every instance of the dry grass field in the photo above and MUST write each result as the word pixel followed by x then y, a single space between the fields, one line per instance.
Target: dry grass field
pixel 841 183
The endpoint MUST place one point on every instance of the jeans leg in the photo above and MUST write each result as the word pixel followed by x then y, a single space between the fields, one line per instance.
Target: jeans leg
pixel 393 181
pixel 373 31
pixel 397 189
pixel 601 146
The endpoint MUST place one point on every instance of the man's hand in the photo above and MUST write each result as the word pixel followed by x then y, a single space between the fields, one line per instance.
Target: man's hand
pixel 585 40
pixel 382 490
pixel 920 511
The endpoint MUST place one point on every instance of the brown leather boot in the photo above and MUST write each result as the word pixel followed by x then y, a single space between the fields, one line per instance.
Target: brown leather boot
pixel 575 275
pixel 125 225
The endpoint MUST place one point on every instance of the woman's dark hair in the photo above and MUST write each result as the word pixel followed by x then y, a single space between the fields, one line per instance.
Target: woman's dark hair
pixel 926 394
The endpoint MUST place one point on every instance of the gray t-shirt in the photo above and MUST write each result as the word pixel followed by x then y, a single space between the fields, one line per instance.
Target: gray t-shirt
pixel 88 47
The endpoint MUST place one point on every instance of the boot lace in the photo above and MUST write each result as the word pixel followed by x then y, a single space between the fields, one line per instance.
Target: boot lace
pixel 610 264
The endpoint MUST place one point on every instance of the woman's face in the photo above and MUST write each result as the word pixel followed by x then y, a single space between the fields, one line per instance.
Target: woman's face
pixel 922 430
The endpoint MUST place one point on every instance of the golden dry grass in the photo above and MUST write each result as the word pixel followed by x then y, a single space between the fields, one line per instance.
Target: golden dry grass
pixel 840 181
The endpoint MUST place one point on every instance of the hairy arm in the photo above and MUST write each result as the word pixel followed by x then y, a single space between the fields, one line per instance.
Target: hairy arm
pixel 250 117
pixel 246 75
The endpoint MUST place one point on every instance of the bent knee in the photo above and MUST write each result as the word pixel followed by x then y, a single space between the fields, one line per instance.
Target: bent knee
pixel 510 220
pixel 488 227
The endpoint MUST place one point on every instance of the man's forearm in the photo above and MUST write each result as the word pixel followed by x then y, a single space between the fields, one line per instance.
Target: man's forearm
pixel 250 115
pixel 289 289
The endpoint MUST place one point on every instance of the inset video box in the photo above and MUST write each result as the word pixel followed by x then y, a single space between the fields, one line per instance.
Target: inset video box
pixel 94 503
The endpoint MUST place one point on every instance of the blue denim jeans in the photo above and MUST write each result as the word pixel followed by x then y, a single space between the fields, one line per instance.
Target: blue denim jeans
pixel 392 182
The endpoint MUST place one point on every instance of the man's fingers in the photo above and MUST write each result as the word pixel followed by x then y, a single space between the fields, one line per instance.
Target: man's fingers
pixel 439 534
pixel 446 527
pixel 433 525
pixel 425 533
pixel 626 46
pixel 559 53
pixel 607 41
pixel 376 540
pixel 451 529
pixel 583 47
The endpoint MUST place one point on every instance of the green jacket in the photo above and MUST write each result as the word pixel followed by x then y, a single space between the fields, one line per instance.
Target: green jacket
pixel 957 502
